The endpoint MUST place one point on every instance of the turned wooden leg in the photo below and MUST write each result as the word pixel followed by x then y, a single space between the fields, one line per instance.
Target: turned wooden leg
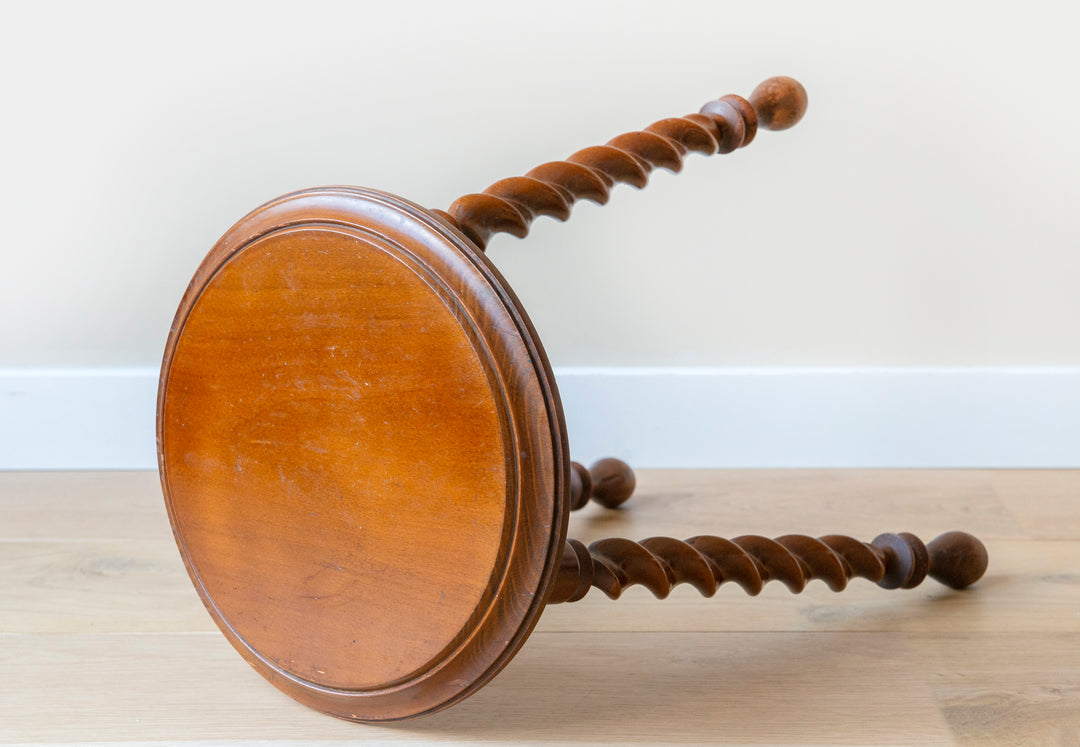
pixel 893 561
pixel 721 126
pixel 609 482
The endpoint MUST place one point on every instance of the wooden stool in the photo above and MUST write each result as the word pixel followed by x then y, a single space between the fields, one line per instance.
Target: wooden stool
pixel 364 456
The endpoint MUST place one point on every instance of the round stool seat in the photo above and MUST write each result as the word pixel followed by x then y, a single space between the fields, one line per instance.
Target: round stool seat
pixel 363 453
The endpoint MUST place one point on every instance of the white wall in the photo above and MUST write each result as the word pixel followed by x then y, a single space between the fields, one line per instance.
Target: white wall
pixel 922 214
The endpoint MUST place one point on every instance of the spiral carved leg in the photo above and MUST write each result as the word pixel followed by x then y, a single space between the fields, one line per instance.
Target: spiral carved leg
pixel 609 482
pixel 721 126
pixel 660 563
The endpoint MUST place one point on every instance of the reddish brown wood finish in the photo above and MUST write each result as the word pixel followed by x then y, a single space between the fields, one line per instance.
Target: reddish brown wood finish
pixel 780 102
pixel 730 122
pixel 363 452
pixel 610 482
pixel 892 561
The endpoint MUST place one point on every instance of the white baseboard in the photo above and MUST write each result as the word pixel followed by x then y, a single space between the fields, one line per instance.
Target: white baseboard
pixel 79 418
pixel 991 417
pixel 826 417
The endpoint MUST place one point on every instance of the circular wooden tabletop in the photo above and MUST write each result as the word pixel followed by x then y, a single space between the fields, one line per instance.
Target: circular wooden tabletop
pixel 363 453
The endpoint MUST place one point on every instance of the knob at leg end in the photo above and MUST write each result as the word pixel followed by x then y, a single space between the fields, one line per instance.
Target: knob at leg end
pixel 780 102
pixel 957 559
pixel 609 482
pixel 613 482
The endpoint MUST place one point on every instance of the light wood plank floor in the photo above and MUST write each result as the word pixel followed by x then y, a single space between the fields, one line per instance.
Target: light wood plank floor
pixel 102 638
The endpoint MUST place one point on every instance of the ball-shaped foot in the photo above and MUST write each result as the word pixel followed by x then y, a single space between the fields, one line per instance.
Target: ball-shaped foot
pixel 957 559
pixel 780 102
pixel 613 482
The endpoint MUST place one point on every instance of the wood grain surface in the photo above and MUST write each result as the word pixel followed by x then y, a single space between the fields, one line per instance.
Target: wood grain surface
pixel 103 639
pixel 362 453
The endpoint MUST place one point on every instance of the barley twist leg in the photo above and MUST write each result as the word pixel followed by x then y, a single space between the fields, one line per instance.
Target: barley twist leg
pixel 660 563
pixel 730 122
